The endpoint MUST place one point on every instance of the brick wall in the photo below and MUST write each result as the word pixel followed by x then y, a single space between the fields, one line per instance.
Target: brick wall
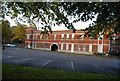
pixel 79 44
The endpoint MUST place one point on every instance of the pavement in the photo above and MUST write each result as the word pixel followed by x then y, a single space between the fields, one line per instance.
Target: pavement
pixel 60 61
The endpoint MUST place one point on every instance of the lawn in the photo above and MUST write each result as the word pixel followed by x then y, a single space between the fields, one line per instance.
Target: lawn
pixel 22 72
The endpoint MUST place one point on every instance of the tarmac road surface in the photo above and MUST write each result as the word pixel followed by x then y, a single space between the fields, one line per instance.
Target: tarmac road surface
pixel 60 61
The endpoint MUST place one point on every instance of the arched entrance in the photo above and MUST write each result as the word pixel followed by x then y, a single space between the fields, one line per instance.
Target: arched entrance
pixel 54 47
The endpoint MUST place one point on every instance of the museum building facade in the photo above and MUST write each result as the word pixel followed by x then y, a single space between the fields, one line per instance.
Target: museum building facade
pixel 67 41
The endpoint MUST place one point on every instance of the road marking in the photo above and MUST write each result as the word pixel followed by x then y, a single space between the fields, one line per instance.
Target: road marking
pixel 101 68
pixel 73 66
pixel 23 60
pixel 7 57
pixel 46 63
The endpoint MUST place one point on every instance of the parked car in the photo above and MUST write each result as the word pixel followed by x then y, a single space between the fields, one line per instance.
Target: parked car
pixel 10 45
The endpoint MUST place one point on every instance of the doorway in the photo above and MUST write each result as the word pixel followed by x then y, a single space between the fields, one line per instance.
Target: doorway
pixel 54 47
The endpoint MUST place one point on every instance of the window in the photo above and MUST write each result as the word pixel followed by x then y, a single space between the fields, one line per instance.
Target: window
pixel 36 36
pixel 84 48
pixel 82 37
pixel 33 36
pixel 62 36
pixel 40 44
pixel 61 46
pixel 46 45
pixel 90 38
pixel 33 44
pixel 100 37
pixel 46 37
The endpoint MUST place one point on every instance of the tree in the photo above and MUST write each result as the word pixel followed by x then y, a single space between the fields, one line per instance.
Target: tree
pixel 6 32
pixel 18 32
pixel 52 13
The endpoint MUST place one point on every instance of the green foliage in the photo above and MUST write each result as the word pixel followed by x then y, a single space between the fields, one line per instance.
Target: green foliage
pixel 6 32
pixel 21 72
pixel 52 13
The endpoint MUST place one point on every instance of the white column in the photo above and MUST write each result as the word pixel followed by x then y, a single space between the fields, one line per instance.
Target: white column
pixel 90 47
pixel 66 46
pixel 27 36
pixel 73 36
pixel 41 36
pixel 100 48
pixel 62 36
pixel 67 36
pixel 72 47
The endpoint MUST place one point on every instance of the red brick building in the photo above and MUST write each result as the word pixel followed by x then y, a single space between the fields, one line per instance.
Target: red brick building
pixel 67 41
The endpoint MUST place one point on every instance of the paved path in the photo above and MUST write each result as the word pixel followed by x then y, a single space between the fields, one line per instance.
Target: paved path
pixel 60 61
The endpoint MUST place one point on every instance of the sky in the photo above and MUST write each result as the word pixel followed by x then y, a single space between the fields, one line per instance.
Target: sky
pixel 78 25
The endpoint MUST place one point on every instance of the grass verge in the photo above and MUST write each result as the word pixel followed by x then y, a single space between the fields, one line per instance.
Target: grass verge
pixel 22 72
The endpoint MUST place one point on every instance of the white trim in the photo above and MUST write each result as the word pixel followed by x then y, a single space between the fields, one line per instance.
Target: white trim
pixel 67 46
pixel 67 43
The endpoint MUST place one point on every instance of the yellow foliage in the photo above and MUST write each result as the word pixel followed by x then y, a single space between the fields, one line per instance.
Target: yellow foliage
pixel 19 32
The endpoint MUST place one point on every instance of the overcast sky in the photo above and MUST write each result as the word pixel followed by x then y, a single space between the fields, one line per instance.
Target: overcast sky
pixel 78 25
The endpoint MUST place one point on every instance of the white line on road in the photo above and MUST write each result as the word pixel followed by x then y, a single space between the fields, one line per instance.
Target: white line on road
pixel 9 56
pixel 23 60
pixel 46 63
pixel 5 57
pixel 73 66
pixel 101 68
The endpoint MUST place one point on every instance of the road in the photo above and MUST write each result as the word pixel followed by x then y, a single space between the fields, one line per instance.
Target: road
pixel 60 61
